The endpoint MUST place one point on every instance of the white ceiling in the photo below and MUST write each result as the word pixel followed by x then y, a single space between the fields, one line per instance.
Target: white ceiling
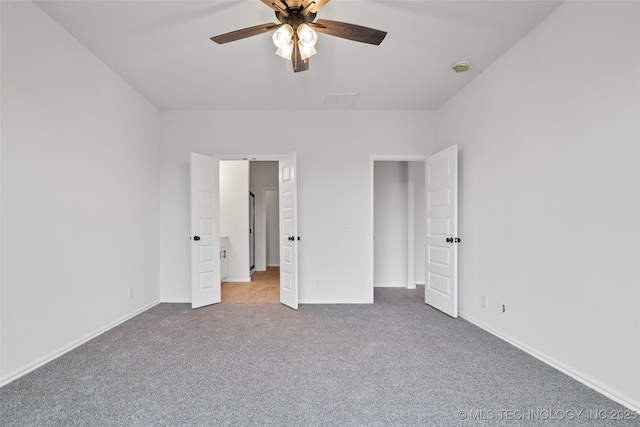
pixel 162 49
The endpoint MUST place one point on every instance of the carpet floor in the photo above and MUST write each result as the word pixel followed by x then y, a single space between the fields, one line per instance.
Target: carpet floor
pixel 329 365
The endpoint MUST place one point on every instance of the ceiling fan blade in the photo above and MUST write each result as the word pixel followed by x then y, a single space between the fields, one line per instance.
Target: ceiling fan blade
pixel 349 31
pixel 299 64
pixel 317 5
pixel 244 33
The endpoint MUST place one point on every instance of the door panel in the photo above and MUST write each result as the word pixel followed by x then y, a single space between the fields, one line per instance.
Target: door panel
pixel 441 200
pixel 205 224
pixel 288 231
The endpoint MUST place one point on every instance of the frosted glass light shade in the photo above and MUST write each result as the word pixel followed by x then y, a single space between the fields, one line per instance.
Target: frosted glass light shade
pixel 286 50
pixel 306 51
pixel 282 36
pixel 306 36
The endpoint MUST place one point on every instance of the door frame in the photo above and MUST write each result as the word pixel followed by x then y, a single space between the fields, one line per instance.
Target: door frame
pixel 257 158
pixel 410 250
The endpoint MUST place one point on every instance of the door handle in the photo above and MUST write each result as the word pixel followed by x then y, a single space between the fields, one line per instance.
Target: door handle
pixel 290 238
pixel 449 239
pixel 457 240
pixel 196 238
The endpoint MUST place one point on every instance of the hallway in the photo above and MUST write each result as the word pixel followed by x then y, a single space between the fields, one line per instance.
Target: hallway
pixel 263 288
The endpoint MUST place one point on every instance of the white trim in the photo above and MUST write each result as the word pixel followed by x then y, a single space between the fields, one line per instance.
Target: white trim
pixel 176 300
pixel 315 302
pixel 237 279
pixel 57 353
pixel 411 225
pixel 390 285
pixel 576 375
pixel 250 157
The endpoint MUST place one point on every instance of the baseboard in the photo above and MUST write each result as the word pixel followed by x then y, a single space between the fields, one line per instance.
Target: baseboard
pixel 55 354
pixel 578 376
pixel 273 265
pixel 237 279
pixel 389 285
pixel 176 300
pixel 334 302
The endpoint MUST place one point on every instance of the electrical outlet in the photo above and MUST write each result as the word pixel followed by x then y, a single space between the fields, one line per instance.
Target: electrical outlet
pixel 130 293
pixel 483 301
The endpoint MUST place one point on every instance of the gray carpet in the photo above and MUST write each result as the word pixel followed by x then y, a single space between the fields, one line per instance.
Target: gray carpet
pixel 338 365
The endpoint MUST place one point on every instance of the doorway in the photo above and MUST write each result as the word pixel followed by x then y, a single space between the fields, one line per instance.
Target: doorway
pixel 208 222
pixel 398 217
pixel 263 282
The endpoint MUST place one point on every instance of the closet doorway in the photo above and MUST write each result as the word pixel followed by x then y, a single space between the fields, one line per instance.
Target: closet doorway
pixel 398 218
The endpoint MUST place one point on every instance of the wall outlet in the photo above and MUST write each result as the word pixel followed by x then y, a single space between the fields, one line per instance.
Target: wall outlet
pixel 483 301
pixel 130 293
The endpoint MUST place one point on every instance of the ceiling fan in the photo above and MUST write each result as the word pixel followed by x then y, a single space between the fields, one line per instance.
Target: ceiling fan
pixel 295 35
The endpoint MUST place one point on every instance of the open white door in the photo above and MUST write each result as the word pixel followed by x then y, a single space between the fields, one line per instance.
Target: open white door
pixel 205 230
pixel 441 176
pixel 287 171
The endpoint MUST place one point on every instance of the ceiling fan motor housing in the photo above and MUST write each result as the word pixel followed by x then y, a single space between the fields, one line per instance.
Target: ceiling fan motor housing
pixel 295 17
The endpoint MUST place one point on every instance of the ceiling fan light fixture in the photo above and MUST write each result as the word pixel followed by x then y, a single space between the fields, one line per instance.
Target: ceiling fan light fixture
pixel 306 51
pixel 282 37
pixel 286 51
pixel 308 38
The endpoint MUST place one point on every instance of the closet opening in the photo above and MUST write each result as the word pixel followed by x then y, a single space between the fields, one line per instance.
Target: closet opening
pixel 398 230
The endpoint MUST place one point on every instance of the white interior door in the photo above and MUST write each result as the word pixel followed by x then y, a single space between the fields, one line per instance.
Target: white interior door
pixel 205 230
pixel 441 211
pixel 287 171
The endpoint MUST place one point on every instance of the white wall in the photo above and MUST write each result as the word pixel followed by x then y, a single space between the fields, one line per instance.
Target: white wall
pixel 80 176
pixel 234 217
pixel 550 193
pixel 390 223
pixel 272 228
pixel 333 150
pixel 263 174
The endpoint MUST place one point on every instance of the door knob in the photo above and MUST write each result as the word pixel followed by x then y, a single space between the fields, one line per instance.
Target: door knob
pixel 457 240
pixel 449 239
pixel 290 238
pixel 196 237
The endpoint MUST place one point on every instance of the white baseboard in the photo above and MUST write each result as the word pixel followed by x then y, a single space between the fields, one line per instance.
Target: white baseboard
pixel 334 302
pixel 578 376
pixel 389 285
pixel 176 300
pixel 55 354
pixel 273 265
pixel 237 279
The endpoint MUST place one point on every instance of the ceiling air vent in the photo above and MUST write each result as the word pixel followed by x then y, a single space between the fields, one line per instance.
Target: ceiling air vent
pixel 340 100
